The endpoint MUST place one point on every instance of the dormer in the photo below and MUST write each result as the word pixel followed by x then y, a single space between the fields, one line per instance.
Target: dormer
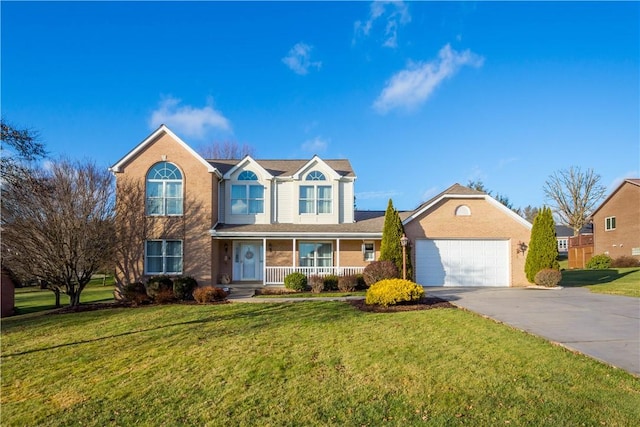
pixel 247 193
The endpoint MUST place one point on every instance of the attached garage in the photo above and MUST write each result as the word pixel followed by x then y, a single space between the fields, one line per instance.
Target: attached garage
pixel 462 262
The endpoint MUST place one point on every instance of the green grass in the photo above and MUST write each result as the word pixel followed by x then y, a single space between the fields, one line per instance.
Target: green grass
pixel 298 364
pixel 33 299
pixel 331 294
pixel 615 281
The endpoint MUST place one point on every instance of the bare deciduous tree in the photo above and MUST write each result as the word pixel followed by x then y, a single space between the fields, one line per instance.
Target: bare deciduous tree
pixel 57 225
pixel 528 212
pixel 573 195
pixel 19 148
pixel 226 150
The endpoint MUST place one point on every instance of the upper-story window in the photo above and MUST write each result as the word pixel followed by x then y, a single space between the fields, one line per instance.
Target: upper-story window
pixel 247 199
pixel 610 223
pixel 315 199
pixel 164 190
pixel 463 210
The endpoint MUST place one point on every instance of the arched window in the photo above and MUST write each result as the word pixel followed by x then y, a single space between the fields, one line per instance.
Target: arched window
pixel 463 210
pixel 164 190
pixel 247 199
pixel 316 176
pixel 247 176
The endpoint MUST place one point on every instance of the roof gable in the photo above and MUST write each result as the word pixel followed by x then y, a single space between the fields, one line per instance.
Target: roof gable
pixel 163 129
pixel 457 191
pixel 635 182
pixel 316 162
pixel 248 160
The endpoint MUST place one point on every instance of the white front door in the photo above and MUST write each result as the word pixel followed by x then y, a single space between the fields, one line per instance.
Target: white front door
pixel 248 261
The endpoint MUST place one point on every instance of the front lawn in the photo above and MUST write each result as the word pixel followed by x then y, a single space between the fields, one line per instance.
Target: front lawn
pixel 616 281
pixel 31 299
pixel 298 364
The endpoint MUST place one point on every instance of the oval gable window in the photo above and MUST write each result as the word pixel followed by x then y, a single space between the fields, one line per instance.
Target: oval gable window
pixel 463 210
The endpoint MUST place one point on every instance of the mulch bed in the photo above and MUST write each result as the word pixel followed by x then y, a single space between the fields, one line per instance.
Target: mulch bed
pixel 426 303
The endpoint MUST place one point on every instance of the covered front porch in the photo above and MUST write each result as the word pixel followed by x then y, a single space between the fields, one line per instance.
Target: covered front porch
pixel 245 259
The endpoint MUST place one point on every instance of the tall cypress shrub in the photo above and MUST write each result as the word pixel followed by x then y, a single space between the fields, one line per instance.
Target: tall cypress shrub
pixel 390 247
pixel 543 247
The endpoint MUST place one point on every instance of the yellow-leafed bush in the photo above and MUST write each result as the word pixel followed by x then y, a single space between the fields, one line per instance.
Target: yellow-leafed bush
pixel 393 291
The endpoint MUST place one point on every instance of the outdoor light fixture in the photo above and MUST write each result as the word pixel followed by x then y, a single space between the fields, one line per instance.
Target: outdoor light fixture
pixel 404 241
pixel 226 248
pixel 522 248
pixel 270 247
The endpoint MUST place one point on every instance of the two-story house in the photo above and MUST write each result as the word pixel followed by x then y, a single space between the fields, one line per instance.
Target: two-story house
pixel 247 220
pixel 616 222
pixel 255 221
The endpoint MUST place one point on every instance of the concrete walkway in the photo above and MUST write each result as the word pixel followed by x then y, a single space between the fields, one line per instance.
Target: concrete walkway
pixel 605 327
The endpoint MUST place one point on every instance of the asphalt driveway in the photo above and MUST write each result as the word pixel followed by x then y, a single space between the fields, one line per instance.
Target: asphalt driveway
pixel 605 327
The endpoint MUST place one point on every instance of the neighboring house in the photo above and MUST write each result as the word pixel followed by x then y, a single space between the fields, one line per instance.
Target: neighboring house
pixel 464 237
pixel 616 222
pixel 247 220
pixel 563 233
pixel 251 220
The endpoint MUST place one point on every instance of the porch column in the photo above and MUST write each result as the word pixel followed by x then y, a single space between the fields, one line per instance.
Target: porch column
pixel 293 254
pixel 264 261
pixel 338 256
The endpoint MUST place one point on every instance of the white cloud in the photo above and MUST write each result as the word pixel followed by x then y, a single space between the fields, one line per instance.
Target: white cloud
pixel 412 86
pixel 188 120
pixel 506 161
pixel 299 59
pixel 395 12
pixel 315 145
pixel 429 193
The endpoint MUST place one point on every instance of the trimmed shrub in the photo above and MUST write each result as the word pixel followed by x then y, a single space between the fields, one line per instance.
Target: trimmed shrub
pixel 393 291
pixel 295 281
pixel 206 294
pixel 360 283
pixel 379 270
pixel 331 282
pixel 135 293
pixel 156 284
pixel 625 261
pixel 548 277
pixel 316 283
pixel 347 283
pixel 599 262
pixel 183 287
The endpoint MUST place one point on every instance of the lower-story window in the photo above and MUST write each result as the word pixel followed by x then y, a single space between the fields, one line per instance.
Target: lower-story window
pixel 316 254
pixel 163 257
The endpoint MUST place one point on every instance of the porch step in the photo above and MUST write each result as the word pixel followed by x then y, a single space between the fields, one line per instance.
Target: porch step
pixel 242 290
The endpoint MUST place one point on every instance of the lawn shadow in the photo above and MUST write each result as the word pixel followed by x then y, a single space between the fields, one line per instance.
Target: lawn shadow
pixel 578 278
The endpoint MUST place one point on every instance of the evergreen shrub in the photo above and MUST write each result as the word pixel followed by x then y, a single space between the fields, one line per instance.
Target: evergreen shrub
pixel 136 293
pixel 543 247
pixel 548 277
pixel 331 282
pixel 183 287
pixel 599 262
pixel 379 270
pixel 393 291
pixel 295 281
pixel 156 284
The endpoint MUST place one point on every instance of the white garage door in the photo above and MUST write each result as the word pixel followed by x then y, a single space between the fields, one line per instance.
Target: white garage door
pixel 462 262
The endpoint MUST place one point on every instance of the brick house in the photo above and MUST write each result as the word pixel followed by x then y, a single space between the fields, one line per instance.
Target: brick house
pixel 616 222
pixel 255 221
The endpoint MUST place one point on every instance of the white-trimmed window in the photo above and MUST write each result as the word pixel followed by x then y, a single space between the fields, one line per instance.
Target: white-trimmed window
pixel 164 190
pixel 610 223
pixel 247 199
pixel 315 254
pixel 369 251
pixel 163 257
pixel 463 210
pixel 563 245
pixel 315 199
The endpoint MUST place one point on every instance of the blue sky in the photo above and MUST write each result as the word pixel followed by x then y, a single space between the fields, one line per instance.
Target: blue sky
pixel 418 95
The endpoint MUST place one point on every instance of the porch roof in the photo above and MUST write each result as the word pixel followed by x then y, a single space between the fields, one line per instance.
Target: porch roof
pixel 368 224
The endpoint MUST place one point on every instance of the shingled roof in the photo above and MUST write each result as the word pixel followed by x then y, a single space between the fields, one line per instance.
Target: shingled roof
pixel 285 168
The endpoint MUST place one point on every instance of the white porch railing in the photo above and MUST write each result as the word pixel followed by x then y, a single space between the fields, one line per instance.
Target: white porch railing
pixel 276 275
